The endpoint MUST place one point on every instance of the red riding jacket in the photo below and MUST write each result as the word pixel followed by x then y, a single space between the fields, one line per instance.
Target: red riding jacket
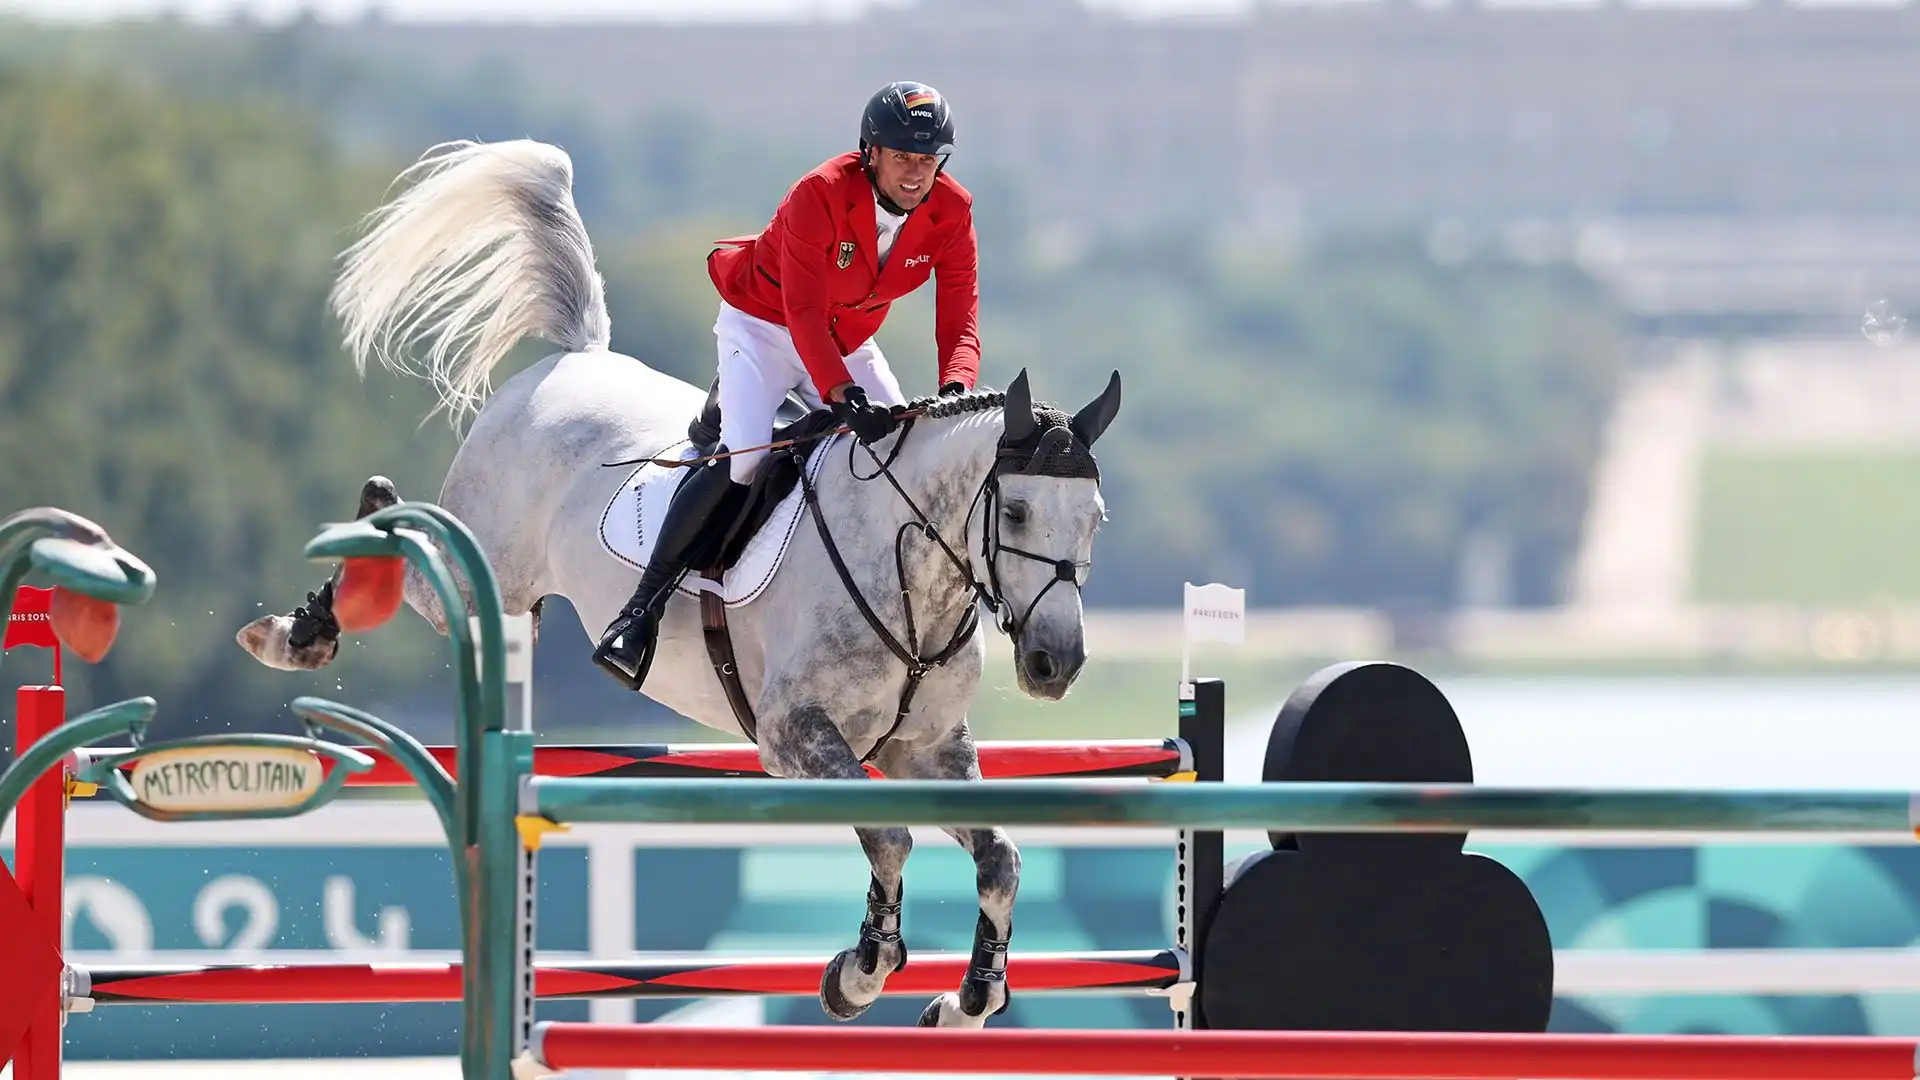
pixel 815 269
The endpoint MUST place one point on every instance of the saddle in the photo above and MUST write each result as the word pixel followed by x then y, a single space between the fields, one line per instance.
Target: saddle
pixel 732 526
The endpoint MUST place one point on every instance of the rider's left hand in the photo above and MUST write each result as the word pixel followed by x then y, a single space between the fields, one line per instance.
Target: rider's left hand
pixel 951 389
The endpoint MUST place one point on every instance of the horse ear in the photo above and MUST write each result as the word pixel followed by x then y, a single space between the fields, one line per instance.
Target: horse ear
pixel 1089 423
pixel 1019 409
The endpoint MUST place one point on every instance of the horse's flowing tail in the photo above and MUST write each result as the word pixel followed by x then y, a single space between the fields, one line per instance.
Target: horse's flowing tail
pixel 485 248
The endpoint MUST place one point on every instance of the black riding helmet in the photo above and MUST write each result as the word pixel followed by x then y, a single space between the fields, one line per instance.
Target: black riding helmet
pixel 908 116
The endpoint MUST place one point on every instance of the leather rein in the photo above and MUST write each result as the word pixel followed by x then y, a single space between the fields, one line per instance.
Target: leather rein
pixel 990 593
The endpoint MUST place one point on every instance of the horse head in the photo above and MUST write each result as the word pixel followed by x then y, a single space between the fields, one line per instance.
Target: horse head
pixel 1042 509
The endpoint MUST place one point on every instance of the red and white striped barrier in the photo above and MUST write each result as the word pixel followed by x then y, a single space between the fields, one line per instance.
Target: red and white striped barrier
pixel 1253 1055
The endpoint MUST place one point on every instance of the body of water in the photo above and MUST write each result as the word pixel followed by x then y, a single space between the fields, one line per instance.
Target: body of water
pixel 1697 731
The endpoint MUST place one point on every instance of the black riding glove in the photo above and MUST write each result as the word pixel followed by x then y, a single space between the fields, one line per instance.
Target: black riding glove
pixel 870 422
pixel 951 389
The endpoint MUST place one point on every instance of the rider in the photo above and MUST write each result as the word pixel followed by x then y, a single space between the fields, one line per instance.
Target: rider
pixel 799 305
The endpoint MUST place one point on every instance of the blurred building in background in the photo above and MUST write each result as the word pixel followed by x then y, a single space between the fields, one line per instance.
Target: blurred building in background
pixel 1739 175
pixel 1752 157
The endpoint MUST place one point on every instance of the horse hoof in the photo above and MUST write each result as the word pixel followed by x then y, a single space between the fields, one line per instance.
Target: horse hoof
pixel 950 1009
pixel 945 1011
pixel 376 494
pixel 836 1003
pixel 266 640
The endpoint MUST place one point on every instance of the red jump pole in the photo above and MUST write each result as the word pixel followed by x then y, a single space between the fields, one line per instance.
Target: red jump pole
pixel 678 977
pixel 1254 1055
pixel 1107 759
pixel 998 761
pixel 1022 760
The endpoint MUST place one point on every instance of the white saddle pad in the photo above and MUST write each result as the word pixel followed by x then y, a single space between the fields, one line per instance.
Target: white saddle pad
pixel 632 520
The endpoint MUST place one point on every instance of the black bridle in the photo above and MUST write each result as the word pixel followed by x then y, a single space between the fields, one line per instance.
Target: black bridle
pixel 992 547
pixel 989 593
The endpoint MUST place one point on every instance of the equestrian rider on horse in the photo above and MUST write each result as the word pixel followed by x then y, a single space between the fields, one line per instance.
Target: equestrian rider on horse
pixel 799 305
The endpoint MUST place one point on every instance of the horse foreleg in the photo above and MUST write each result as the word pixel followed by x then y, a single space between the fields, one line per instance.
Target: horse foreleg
pixel 855 977
pixel 983 990
pixel 806 744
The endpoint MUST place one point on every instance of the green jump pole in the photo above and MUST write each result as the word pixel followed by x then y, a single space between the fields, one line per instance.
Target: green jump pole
pixel 1303 806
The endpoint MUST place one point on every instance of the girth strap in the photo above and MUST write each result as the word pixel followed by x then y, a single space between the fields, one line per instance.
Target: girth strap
pixel 713 627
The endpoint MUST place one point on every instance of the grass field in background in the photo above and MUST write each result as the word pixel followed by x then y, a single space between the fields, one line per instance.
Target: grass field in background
pixel 1808 527
pixel 1113 699
pixel 1124 699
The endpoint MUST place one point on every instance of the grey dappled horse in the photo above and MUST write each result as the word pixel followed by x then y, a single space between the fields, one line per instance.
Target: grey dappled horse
pixel 486 247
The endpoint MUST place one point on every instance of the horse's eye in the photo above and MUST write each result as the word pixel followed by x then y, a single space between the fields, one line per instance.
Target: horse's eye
pixel 1015 513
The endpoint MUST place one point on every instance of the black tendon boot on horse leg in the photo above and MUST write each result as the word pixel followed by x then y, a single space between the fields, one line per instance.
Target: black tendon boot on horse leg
pixel 626 649
pixel 879 931
pixel 986 970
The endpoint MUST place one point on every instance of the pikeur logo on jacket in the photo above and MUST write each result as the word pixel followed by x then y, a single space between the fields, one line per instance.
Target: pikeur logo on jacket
pixel 816 270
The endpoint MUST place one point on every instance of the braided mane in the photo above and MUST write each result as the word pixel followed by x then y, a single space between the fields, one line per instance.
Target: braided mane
pixel 972 401
pixel 1052 450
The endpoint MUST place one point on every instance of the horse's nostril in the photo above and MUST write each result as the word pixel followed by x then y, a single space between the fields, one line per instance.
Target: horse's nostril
pixel 1040 665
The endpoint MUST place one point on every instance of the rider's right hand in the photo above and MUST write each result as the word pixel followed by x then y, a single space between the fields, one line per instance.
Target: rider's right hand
pixel 870 422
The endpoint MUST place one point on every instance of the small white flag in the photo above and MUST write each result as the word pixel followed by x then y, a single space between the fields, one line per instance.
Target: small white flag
pixel 1216 612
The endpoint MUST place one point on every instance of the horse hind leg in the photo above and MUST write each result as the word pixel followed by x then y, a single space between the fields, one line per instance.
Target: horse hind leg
pixel 308 637
pixel 806 744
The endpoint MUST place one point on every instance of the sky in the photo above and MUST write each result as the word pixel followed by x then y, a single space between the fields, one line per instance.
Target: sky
pixel 542 10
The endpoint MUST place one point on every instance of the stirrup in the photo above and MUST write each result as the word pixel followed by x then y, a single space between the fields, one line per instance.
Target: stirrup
pixel 642 658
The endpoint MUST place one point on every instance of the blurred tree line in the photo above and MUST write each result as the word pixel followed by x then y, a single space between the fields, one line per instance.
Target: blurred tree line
pixel 1327 419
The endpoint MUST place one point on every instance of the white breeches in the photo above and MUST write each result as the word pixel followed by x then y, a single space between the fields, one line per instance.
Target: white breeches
pixel 758 365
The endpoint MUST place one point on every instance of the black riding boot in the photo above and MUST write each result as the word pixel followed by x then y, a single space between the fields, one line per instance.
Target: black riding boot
pixel 626 649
